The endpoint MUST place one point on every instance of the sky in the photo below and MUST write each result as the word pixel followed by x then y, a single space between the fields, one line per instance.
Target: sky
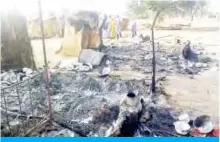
pixel 115 7
pixel 105 6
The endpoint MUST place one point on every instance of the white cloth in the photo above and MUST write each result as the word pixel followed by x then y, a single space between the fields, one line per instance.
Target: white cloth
pixel 106 71
pixel 118 25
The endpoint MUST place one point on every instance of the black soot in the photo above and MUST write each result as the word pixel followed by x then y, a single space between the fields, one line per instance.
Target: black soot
pixel 131 94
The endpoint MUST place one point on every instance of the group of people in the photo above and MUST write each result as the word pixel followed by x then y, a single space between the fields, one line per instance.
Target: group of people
pixel 113 28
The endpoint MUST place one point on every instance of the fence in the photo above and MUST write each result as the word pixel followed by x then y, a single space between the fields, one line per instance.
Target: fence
pixel 24 106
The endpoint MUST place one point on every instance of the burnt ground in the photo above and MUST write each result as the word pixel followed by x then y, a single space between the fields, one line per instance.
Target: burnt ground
pixel 79 96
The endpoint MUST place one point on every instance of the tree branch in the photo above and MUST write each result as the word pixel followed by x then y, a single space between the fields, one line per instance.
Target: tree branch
pixel 155 19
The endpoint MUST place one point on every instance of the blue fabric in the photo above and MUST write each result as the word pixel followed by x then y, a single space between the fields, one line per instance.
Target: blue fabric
pixel 111 139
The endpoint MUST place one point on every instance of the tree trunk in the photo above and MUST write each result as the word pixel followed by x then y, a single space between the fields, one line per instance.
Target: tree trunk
pixel 15 46
pixel 153 87
pixel 192 17
pixel 193 13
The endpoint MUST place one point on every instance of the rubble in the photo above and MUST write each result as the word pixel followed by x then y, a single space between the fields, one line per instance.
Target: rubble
pixel 60 133
pixel 74 65
pixel 14 76
pixel 91 56
pixel 128 117
pixel 90 105
pixel 106 70
pixel 167 62
pixel 77 97
pixel 198 65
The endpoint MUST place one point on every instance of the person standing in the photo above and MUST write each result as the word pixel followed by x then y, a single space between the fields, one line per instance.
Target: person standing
pixel 106 28
pixel 186 52
pixel 112 28
pixel 118 22
pixel 134 29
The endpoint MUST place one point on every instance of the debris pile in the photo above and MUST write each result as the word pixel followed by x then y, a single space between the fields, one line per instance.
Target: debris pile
pixel 14 76
pixel 77 98
pixel 73 65
pixel 20 105
pixel 88 105
pixel 166 62
pixel 86 61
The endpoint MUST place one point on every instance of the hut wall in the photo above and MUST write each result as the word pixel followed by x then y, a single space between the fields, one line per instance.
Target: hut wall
pixel 16 50
pixel 80 33
pixel 72 40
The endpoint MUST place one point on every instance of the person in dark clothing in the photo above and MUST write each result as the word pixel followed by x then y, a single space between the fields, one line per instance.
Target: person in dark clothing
pixel 178 41
pixel 145 38
pixel 186 51
pixel 189 55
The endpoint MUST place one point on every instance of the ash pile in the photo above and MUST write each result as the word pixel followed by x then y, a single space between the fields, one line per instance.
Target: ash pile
pixel 138 57
pixel 14 76
pixel 21 105
pixel 77 100
pixel 88 105
pixel 91 103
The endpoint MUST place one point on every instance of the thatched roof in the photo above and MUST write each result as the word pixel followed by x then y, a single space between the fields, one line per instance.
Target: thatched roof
pixel 84 18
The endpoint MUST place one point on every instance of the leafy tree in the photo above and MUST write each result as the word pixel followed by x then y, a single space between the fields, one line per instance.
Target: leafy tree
pixel 140 8
pixel 192 7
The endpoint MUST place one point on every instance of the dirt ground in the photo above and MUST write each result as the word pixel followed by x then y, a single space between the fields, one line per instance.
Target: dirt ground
pixel 200 94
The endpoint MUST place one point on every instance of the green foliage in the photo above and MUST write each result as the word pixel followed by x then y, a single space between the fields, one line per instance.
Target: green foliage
pixel 137 10
pixel 192 5
pixel 141 7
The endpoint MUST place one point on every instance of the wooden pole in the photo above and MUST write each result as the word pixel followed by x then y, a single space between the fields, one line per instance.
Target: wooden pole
pixel 153 84
pixel 45 61
pixel 153 87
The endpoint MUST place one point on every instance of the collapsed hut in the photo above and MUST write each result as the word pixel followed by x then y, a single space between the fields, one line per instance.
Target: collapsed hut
pixel 16 50
pixel 81 32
